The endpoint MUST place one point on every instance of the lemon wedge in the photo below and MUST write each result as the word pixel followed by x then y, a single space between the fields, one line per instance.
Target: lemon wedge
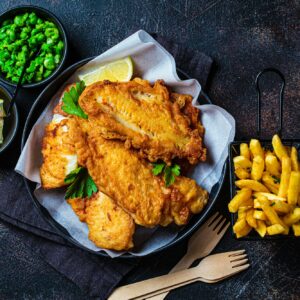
pixel 119 70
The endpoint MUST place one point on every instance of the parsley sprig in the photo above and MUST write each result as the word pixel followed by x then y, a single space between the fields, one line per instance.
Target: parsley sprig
pixel 81 184
pixel 70 100
pixel 169 172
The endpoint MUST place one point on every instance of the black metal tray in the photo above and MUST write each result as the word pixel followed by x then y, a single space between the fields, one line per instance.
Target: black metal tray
pixel 234 151
pixel 38 107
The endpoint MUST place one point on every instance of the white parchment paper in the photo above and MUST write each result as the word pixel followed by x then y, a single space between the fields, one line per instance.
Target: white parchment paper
pixel 151 62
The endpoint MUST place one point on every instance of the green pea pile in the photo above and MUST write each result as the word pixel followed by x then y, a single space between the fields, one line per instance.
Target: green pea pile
pixel 19 38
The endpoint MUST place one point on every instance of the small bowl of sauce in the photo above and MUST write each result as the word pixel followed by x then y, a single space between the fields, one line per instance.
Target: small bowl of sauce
pixel 8 123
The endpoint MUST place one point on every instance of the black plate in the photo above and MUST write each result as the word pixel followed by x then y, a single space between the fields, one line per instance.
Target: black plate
pixel 38 107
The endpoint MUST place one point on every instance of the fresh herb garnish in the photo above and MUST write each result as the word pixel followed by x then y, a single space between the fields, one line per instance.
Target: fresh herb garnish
pixel 276 180
pixel 70 100
pixel 169 172
pixel 81 184
pixel 272 204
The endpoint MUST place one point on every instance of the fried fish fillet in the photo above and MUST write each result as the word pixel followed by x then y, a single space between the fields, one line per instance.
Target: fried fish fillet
pixel 148 118
pixel 187 198
pixel 58 150
pixel 110 227
pixel 127 178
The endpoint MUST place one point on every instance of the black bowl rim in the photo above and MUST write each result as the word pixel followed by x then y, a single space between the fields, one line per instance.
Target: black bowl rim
pixel 16 114
pixel 61 230
pixel 64 36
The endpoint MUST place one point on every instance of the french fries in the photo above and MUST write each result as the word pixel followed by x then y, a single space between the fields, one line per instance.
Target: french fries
pixel 258 167
pixel 244 150
pixel 285 176
pixel 256 149
pixel 268 194
pixel 242 212
pixel 242 162
pixel 279 149
pixel 251 184
pixel 261 228
pixel 239 200
pixel 243 232
pixel 294 188
pixel 241 228
pixel 275 229
pixel 296 228
pixel 271 182
pixel 259 215
pixel 279 206
pixel 271 214
pixel 272 165
pixel 241 173
pixel 293 217
pixel 294 159
pixel 250 219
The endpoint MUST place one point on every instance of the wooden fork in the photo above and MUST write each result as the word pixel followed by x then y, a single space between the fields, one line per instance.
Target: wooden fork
pixel 201 244
pixel 213 267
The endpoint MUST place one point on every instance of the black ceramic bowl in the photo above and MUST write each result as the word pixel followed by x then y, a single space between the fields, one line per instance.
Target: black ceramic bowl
pixel 11 122
pixel 45 15
pixel 36 110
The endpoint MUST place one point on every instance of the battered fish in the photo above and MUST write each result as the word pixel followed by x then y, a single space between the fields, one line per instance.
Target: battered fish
pixel 110 227
pixel 121 174
pixel 147 118
pixel 58 150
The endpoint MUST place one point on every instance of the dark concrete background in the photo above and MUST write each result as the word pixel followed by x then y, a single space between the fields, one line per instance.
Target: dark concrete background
pixel 242 37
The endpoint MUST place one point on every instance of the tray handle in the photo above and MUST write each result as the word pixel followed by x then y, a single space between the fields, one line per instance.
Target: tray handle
pixel 269 70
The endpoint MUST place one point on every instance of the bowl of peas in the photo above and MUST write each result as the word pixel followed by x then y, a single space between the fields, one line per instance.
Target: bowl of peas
pixel 23 31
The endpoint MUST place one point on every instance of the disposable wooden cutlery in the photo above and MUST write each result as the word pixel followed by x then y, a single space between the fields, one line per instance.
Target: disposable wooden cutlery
pixel 213 267
pixel 201 244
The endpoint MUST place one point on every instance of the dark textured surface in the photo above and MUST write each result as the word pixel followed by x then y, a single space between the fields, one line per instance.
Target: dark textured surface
pixel 242 37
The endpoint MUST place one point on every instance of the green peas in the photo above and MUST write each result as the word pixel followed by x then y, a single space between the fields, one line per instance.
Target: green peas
pixel 46 47
pixel 39 60
pixel 57 58
pixel 35 31
pixel 19 21
pixel 20 36
pixel 25 48
pixel 50 24
pixel 23 35
pixel 59 46
pixel 19 71
pixel 33 19
pixel 49 63
pixel 4 55
pixel 15 79
pixel 50 41
pixel 11 34
pixel 18 44
pixel 40 37
pixel 32 41
pixel 47 73
pixel 31 67
pixel 52 32
pixel 22 57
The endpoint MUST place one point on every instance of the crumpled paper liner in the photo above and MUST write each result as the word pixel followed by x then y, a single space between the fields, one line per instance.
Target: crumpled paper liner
pixel 151 62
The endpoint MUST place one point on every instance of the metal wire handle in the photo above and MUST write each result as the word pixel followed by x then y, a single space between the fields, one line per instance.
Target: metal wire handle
pixel 259 98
